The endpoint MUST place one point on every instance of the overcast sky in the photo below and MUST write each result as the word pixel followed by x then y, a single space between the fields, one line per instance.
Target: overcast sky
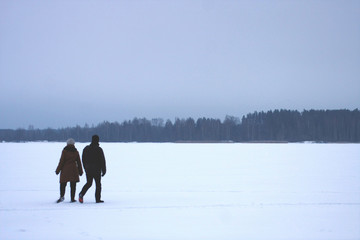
pixel 64 63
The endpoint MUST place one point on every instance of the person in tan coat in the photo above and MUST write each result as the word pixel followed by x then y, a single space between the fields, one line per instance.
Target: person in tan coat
pixel 70 168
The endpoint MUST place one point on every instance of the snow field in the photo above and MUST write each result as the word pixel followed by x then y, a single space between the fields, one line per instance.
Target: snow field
pixel 187 191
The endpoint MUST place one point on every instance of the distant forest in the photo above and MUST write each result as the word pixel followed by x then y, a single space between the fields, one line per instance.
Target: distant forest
pixel 271 126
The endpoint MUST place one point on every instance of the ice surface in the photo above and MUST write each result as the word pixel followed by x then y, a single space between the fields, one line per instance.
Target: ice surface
pixel 187 191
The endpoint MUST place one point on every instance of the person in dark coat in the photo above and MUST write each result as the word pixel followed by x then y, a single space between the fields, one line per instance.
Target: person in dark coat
pixel 70 168
pixel 95 167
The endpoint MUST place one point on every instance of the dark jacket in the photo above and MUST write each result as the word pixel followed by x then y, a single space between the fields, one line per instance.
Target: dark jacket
pixel 69 165
pixel 93 159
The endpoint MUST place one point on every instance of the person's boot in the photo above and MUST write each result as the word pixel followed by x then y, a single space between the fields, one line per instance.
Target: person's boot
pixel 61 199
pixel 99 201
pixel 81 200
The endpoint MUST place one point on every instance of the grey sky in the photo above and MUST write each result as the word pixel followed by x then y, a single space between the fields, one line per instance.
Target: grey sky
pixel 64 63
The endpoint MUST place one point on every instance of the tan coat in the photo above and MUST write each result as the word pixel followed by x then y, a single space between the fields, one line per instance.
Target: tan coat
pixel 69 165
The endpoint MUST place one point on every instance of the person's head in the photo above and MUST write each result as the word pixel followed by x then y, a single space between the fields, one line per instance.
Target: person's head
pixel 70 141
pixel 95 139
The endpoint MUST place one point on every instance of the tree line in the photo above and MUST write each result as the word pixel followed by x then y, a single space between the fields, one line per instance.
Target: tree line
pixel 271 126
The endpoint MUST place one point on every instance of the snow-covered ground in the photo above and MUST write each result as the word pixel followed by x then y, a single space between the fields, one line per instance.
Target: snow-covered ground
pixel 187 191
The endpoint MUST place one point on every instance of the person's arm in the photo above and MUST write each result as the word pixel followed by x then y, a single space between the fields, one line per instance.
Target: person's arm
pixel 78 162
pixel 85 159
pixel 103 162
pixel 61 163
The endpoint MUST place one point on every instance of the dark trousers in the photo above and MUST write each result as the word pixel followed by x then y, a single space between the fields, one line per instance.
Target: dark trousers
pixel 72 187
pixel 89 180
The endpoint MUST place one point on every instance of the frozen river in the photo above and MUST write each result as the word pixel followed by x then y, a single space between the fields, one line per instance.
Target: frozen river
pixel 187 191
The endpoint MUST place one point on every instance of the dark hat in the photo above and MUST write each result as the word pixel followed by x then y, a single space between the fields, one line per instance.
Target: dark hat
pixel 95 139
